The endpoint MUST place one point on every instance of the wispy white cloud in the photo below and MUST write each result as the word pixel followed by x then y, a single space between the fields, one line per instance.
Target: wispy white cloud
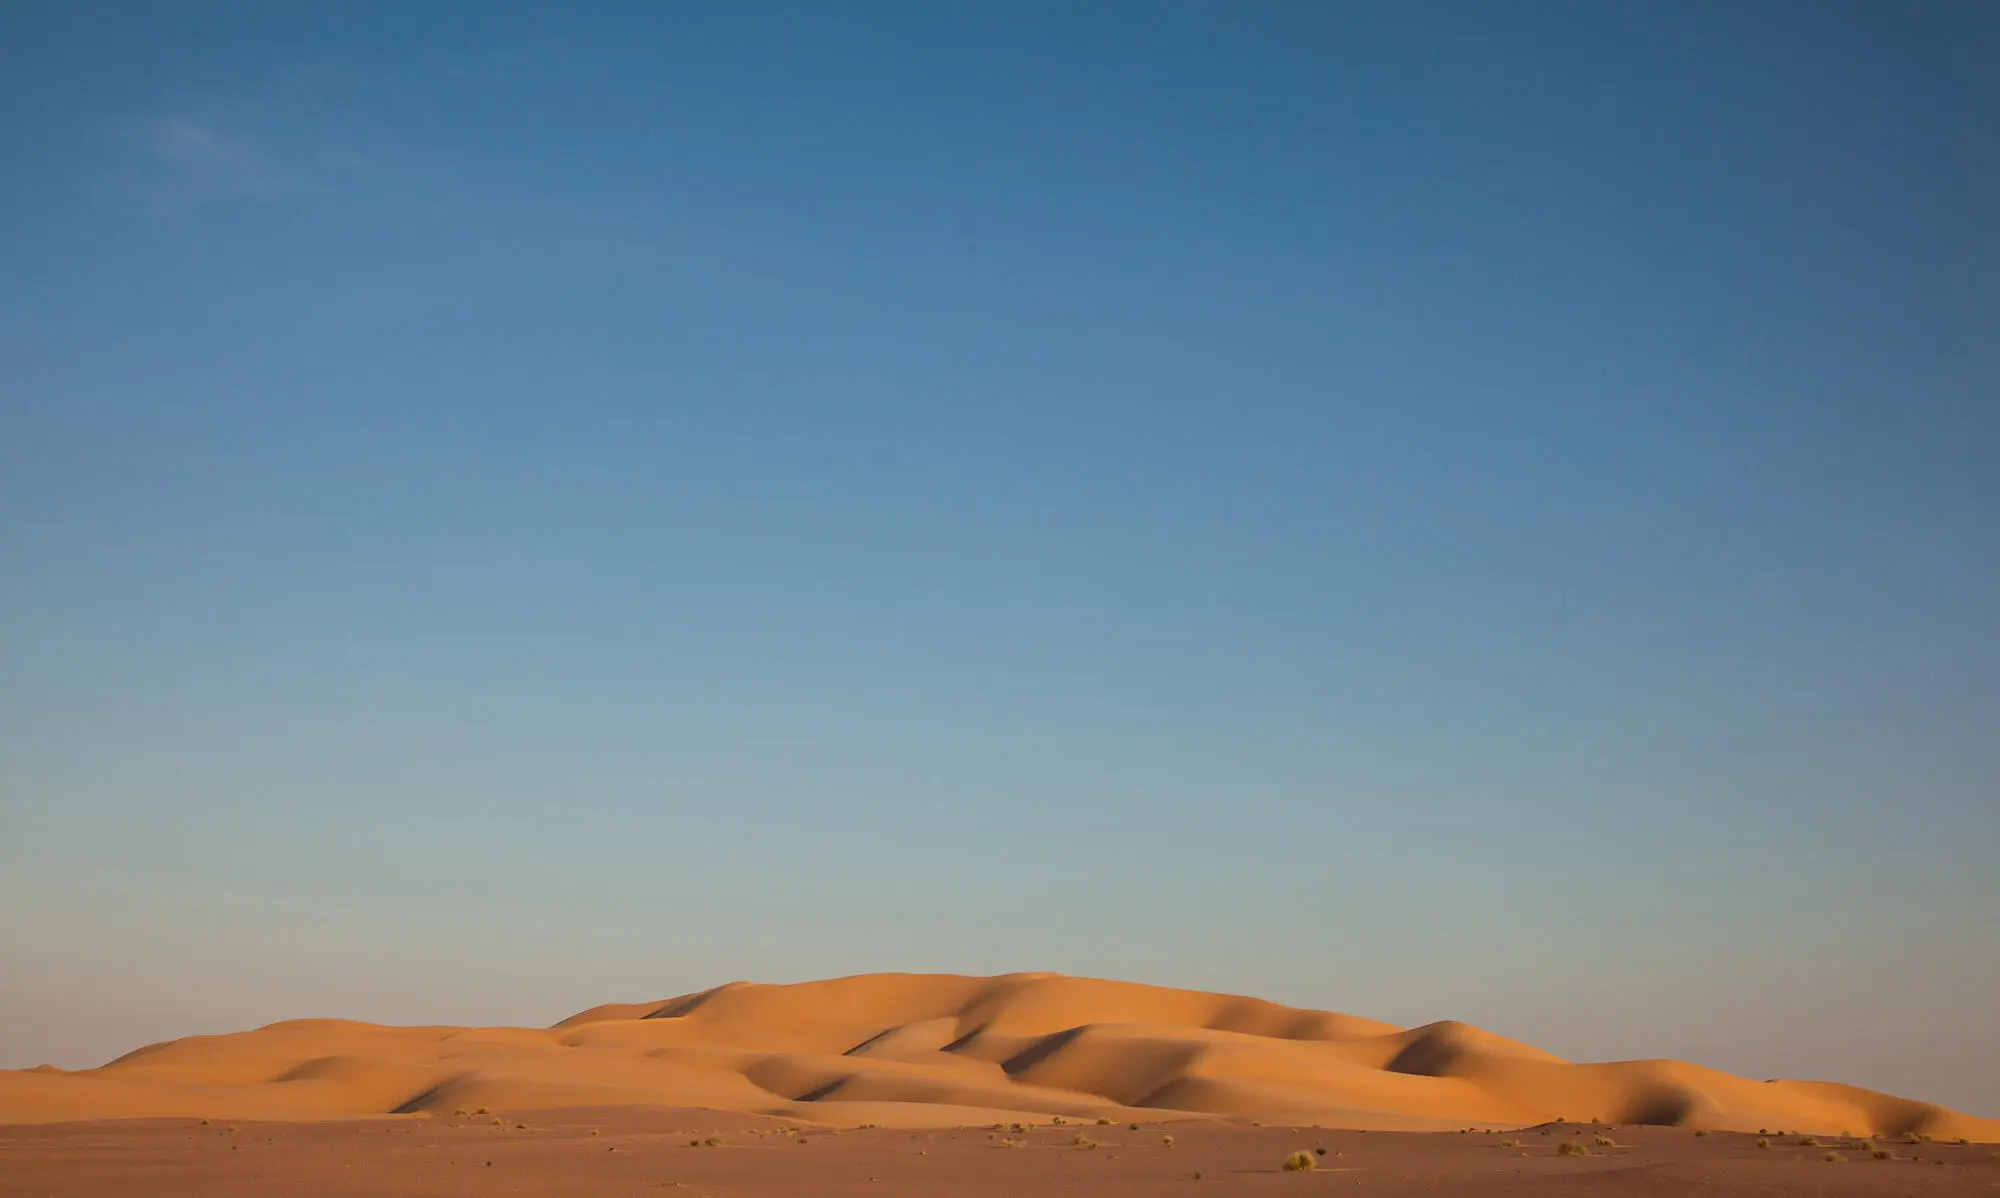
pixel 176 161
pixel 309 128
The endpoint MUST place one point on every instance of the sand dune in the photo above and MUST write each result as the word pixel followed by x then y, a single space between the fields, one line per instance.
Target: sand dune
pixel 940 1050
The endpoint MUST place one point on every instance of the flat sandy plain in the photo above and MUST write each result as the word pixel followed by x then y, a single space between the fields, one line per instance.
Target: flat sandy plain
pixel 937 1083
pixel 646 1150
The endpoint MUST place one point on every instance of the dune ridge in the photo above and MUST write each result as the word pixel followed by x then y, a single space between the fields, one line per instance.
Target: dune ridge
pixel 941 1049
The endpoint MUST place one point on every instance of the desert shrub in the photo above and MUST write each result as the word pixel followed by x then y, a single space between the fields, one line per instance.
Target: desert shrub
pixel 1809 1142
pixel 1699 1132
pixel 1299 1162
pixel 1084 1142
pixel 1167 1141
pixel 1606 1142
pixel 1833 1158
pixel 1763 1143
pixel 1882 1154
pixel 1319 1152
pixel 1571 1148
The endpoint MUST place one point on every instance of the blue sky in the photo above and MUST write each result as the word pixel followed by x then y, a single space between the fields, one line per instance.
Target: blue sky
pixel 1426 510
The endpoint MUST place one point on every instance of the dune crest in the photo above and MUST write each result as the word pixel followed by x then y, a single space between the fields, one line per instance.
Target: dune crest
pixel 929 1049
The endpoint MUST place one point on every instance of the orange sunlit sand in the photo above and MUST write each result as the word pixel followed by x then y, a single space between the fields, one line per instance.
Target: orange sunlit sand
pixel 907 1050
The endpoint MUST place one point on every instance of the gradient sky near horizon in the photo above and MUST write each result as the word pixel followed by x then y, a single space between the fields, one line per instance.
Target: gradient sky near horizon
pixel 1427 510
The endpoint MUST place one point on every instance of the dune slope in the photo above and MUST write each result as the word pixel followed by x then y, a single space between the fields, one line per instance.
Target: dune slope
pixel 908 1049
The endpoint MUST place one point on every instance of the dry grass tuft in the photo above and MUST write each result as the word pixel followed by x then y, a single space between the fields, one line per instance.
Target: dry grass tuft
pixel 1606 1142
pixel 1883 1154
pixel 1571 1148
pixel 1833 1158
pixel 1084 1142
pixel 1763 1143
pixel 1299 1162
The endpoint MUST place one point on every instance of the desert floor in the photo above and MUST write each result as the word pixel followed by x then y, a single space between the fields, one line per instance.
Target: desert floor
pixel 648 1151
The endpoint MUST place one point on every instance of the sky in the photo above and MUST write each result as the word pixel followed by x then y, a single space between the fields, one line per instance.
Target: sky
pixel 1424 510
